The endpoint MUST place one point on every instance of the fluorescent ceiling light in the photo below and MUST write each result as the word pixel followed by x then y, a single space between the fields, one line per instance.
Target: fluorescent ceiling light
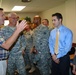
pixel 18 8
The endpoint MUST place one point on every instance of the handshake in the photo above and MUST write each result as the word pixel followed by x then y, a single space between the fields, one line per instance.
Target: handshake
pixel 33 50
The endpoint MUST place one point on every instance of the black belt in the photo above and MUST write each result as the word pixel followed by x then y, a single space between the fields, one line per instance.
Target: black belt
pixel 2 59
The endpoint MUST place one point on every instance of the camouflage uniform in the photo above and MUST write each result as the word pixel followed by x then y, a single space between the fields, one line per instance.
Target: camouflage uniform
pixel 15 60
pixel 29 43
pixel 40 41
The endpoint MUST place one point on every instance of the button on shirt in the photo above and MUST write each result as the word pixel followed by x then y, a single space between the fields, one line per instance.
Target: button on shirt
pixel 3 53
pixel 65 41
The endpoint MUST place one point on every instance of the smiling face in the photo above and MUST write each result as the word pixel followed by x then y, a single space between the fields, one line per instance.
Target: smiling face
pixel 45 22
pixel 37 20
pixel 12 19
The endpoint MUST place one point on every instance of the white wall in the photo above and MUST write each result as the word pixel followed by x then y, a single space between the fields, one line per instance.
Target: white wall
pixel 71 16
pixel 47 14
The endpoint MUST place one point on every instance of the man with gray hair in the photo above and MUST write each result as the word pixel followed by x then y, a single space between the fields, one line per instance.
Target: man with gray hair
pixel 6 44
pixel 15 59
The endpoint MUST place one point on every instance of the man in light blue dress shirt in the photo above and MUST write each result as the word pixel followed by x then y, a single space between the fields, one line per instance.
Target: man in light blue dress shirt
pixel 61 60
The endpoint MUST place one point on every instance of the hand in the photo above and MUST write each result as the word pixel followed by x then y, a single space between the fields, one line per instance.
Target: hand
pixel 57 61
pixel 74 70
pixel 33 50
pixel 23 52
pixel 54 57
pixel 71 64
pixel 21 26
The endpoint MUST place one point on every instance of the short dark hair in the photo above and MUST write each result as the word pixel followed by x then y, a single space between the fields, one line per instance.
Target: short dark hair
pixel 1 8
pixel 58 15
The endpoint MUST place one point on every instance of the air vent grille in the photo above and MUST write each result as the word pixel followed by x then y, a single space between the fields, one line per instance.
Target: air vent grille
pixel 26 0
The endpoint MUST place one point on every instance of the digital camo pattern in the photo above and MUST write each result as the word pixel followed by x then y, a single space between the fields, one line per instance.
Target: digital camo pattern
pixel 40 41
pixel 15 60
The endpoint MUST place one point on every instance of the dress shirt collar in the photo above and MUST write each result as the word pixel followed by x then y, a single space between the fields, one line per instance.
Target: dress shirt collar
pixel 60 28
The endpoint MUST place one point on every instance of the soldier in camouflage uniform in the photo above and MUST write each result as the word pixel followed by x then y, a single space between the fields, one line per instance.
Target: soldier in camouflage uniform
pixel 15 60
pixel 46 23
pixel 29 43
pixel 36 22
pixel 42 53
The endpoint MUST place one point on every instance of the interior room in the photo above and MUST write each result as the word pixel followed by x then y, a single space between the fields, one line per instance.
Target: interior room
pixel 45 9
